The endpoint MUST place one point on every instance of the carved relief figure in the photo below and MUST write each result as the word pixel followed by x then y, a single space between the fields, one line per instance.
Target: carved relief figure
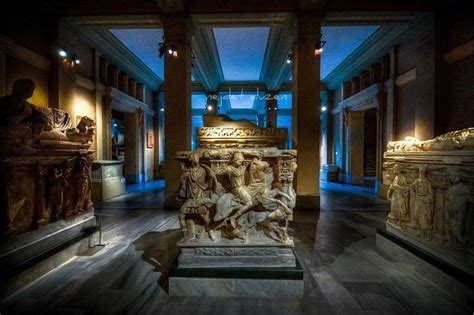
pixel 423 209
pixel 238 199
pixel 198 183
pixel 59 185
pixel 399 194
pixel 83 184
pixel 458 201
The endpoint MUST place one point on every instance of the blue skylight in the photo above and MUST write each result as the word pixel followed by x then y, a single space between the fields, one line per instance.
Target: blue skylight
pixel 284 100
pixel 241 51
pixel 341 42
pixel 198 100
pixel 240 100
pixel 143 43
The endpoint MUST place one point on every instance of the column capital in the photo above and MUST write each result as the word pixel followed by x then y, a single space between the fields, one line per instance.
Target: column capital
pixel 308 24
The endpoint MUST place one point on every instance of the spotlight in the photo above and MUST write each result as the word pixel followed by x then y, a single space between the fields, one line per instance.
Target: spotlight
pixel 324 108
pixel 209 107
pixel 162 110
pixel 62 53
pixel 76 60
pixel 289 58
pixel 115 125
pixel 319 47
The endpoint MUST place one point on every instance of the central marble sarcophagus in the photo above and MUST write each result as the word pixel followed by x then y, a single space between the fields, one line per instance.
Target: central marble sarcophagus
pixel 238 198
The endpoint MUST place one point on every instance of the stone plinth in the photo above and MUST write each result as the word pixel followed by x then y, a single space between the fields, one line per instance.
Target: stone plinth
pixel 28 256
pixel 107 179
pixel 243 281
pixel 449 272
pixel 241 256
pixel 431 211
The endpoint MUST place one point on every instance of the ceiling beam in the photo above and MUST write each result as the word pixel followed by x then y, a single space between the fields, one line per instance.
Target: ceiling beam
pixel 367 17
pixel 115 21
pixel 373 48
pixel 116 53
pixel 240 20
pixel 170 6
pixel 207 66
pixel 275 70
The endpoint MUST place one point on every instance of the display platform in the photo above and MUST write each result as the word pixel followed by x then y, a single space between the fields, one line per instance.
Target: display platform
pixel 452 276
pixel 237 281
pixel 27 257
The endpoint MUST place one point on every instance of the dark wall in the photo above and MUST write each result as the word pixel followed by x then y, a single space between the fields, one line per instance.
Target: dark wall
pixel 35 32
pixel 456 108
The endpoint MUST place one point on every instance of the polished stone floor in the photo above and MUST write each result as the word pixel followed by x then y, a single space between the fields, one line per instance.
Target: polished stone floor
pixel 344 271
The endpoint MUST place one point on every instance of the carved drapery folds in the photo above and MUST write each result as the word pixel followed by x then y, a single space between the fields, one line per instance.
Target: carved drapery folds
pixel 45 166
pixel 237 195
pixel 40 190
pixel 432 189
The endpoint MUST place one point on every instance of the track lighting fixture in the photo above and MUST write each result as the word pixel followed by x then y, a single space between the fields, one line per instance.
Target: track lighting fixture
pixel 169 49
pixel 67 56
pixel 319 47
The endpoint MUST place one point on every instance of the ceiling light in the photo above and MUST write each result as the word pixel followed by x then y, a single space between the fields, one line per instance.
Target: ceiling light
pixel 324 108
pixel 162 110
pixel 209 107
pixel 76 60
pixel 319 47
pixel 62 53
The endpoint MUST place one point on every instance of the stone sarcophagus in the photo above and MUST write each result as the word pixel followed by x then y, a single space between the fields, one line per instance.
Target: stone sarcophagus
pixel 235 202
pixel 432 192
pixel 45 164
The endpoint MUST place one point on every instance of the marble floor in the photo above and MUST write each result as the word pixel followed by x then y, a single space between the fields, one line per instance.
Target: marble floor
pixel 344 271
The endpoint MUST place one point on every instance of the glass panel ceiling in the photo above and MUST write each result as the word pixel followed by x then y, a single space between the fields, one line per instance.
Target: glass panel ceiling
pixel 284 100
pixel 240 100
pixel 341 42
pixel 241 51
pixel 198 100
pixel 143 43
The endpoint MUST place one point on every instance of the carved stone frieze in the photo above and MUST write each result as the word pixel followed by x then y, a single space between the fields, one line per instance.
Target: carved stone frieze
pixel 241 137
pixel 241 195
pixel 432 191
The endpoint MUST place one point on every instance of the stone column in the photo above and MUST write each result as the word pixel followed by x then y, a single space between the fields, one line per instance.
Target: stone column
pixel 107 127
pixel 355 148
pixel 156 133
pixel 3 70
pixel 355 82
pixel 103 66
pixel 132 87
pixel 375 73
pixel 346 89
pixel 112 76
pixel 123 82
pixel 99 107
pixel 140 93
pixel 132 147
pixel 306 109
pixel 364 79
pixel 272 109
pixel 177 89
